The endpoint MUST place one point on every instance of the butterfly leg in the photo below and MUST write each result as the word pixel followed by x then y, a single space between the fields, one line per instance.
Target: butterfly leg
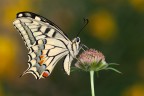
pixel 85 46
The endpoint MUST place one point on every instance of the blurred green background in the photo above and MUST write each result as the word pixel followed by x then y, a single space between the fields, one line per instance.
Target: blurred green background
pixel 116 28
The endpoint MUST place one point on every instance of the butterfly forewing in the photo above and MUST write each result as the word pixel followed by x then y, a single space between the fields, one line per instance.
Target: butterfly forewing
pixel 46 43
pixel 33 27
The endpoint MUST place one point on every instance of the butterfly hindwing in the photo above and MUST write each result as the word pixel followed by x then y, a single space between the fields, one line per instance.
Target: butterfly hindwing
pixel 44 56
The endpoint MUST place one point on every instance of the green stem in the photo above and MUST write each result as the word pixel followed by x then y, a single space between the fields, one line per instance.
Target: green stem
pixel 92 83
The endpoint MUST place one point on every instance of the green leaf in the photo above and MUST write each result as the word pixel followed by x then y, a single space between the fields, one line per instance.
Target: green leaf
pixel 113 64
pixel 110 68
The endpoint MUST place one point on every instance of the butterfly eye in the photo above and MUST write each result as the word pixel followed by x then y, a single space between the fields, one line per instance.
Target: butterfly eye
pixel 77 39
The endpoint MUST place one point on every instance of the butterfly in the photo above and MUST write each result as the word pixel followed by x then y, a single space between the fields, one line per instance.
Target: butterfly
pixel 47 44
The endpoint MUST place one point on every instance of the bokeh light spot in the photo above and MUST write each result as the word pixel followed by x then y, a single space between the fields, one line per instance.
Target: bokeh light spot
pixel 137 5
pixel 135 90
pixel 8 52
pixel 12 8
pixel 103 25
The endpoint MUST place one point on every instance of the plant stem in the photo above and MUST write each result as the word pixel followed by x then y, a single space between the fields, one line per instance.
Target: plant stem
pixel 92 83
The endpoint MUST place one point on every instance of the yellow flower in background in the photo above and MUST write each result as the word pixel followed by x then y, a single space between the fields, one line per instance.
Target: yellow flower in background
pixel 8 51
pixel 103 26
pixel 138 5
pixel 135 90
pixel 12 7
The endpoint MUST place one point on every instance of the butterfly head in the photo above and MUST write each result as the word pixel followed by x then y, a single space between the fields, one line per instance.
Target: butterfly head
pixel 76 40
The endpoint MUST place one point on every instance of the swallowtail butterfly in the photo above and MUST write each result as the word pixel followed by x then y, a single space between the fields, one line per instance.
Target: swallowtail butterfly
pixel 46 43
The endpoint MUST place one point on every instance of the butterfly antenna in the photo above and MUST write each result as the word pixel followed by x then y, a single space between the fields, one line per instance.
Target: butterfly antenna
pixel 86 21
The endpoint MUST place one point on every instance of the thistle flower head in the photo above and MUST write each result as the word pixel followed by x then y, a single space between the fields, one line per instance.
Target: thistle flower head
pixel 91 56
pixel 93 60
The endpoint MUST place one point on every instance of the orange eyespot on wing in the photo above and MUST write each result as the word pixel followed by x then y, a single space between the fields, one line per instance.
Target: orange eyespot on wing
pixel 45 74
pixel 41 62
pixel 41 56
